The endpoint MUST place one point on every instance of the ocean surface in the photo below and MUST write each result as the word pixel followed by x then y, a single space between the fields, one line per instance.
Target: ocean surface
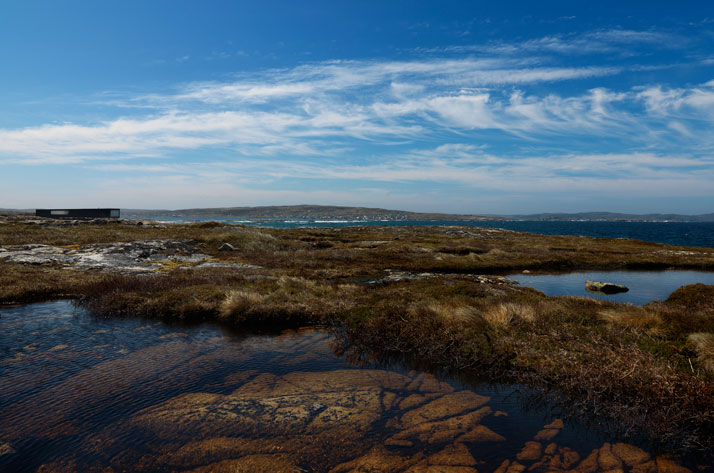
pixel 700 234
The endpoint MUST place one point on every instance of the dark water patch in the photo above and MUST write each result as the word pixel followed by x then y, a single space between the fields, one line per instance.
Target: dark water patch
pixel 644 286
pixel 79 393
pixel 698 234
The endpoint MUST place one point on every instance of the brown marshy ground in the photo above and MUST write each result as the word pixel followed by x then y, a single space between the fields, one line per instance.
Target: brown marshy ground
pixel 647 368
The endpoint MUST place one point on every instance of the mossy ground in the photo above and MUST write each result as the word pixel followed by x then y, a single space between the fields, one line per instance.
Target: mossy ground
pixel 644 368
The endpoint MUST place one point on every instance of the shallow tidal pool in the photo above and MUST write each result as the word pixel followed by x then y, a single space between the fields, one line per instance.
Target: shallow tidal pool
pixel 644 286
pixel 81 394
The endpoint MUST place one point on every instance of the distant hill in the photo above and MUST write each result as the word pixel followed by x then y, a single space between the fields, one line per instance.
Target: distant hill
pixel 308 212
pixel 332 212
pixel 612 216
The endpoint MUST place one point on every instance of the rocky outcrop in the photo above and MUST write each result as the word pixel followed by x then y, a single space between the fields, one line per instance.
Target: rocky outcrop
pixel 605 287
pixel 395 275
pixel 136 257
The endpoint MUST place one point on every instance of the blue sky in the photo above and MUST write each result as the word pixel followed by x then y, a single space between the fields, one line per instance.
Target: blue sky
pixel 469 107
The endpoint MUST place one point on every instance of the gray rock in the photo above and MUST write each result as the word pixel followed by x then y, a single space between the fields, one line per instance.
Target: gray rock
pixel 317 407
pixel 194 258
pixel 226 247
pixel 127 257
pixel 605 287
pixel 222 264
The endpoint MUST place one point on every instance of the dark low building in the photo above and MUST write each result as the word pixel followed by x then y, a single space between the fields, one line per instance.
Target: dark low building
pixel 77 213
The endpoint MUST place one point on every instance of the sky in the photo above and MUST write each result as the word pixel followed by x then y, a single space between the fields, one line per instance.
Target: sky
pixel 440 106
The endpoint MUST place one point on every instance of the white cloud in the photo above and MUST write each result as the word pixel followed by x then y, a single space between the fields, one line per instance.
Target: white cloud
pixel 661 101
pixel 593 42
pixel 325 125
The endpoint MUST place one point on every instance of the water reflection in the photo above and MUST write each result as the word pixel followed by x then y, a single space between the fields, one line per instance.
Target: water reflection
pixel 644 286
pixel 84 394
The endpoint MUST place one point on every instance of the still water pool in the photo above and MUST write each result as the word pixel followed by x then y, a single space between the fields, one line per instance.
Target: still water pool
pixel 644 286
pixel 81 394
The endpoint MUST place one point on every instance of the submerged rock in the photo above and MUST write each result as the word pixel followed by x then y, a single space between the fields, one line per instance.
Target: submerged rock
pixel 605 287
pixel 377 459
pixel 254 463
pixel 6 449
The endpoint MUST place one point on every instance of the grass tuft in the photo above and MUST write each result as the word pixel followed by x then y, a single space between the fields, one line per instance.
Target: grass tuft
pixel 238 303
pixel 634 317
pixel 502 315
pixel 704 346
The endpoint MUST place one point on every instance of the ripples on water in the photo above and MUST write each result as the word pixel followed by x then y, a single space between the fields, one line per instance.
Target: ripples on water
pixel 84 394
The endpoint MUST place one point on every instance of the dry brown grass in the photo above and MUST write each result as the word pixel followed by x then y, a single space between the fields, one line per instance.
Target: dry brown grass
pixel 704 346
pixel 502 315
pixel 239 303
pixel 452 315
pixel 634 317
pixel 498 316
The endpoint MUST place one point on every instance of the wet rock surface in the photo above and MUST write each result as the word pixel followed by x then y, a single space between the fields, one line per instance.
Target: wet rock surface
pixel 6 449
pixel 195 400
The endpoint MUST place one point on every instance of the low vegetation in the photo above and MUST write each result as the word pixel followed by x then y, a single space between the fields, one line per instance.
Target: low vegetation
pixel 645 369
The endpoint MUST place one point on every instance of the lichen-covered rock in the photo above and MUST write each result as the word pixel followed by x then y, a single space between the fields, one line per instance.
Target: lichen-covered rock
pixel 137 257
pixel 605 287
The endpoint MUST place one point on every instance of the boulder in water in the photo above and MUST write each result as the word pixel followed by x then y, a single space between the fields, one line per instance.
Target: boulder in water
pixel 605 287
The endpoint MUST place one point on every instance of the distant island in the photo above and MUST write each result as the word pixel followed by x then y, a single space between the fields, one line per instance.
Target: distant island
pixel 330 212
pixel 303 212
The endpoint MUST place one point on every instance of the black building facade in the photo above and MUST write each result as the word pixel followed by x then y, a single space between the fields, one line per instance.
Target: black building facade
pixel 77 213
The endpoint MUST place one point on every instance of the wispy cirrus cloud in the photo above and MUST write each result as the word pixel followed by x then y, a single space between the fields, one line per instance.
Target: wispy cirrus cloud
pixel 510 117
pixel 621 41
pixel 383 112
pixel 465 166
